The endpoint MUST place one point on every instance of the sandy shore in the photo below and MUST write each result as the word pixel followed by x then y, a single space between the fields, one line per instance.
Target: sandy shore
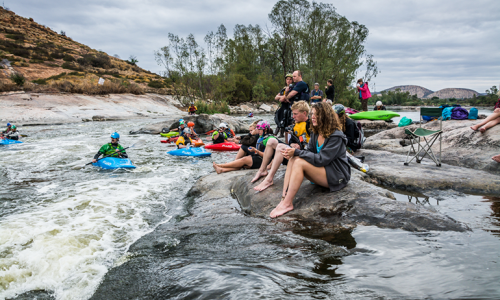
pixel 28 109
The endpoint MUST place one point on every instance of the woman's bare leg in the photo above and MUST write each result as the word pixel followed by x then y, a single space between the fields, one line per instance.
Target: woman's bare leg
pixel 300 168
pixel 488 119
pixel 289 170
pixel 240 154
pixel 496 158
pixel 234 165
pixel 278 159
pixel 268 155
pixel 489 125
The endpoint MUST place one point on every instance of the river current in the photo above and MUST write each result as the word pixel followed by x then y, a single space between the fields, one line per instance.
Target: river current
pixel 62 227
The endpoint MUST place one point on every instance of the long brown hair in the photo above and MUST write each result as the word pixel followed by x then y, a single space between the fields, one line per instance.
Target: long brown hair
pixel 342 120
pixel 326 118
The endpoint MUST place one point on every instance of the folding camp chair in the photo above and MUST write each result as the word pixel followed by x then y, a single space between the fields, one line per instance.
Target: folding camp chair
pixel 424 138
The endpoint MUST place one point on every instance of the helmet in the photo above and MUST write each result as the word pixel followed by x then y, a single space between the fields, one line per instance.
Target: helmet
pixel 190 124
pixel 14 127
pixel 379 103
pixel 339 109
pixel 186 131
pixel 115 135
pixel 8 124
pixel 181 122
pixel 263 125
pixel 222 125
pixel 288 75
pixel 192 103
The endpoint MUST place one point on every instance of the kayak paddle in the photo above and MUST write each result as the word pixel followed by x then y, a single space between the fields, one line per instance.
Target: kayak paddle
pixel 138 143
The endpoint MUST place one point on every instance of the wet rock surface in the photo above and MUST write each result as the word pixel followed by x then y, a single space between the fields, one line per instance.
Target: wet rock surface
pixel 461 146
pixel 387 169
pixel 213 232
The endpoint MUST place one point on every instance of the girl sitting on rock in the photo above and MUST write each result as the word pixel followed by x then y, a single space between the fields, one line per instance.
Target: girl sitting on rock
pixel 489 122
pixel 254 160
pixel 323 163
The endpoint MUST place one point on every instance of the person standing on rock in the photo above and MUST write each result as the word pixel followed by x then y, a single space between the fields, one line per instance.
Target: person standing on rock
pixel 323 163
pixel 281 116
pixel 489 122
pixel 365 94
pixel 300 137
pixel 192 109
pixel 316 94
pixel 330 91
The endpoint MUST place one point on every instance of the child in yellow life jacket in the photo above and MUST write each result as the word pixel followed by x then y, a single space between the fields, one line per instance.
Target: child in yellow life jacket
pixel 184 139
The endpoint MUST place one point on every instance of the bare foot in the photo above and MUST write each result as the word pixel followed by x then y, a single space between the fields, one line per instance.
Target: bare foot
pixel 482 129
pixel 259 175
pixel 474 127
pixel 281 209
pixel 264 185
pixel 496 158
pixel 217 168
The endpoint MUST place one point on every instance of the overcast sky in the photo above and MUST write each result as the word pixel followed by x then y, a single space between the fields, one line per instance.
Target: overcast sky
pixel 434 44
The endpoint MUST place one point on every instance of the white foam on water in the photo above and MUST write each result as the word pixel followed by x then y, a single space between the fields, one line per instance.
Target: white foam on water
pixel 67 245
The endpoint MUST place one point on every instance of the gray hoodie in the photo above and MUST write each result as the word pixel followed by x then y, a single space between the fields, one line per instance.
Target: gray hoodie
pixel 332 156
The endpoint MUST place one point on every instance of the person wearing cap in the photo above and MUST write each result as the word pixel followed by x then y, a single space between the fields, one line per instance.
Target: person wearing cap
pixel 348 127
pixel 184 138
pixel 113 149
pixel 192 109
pixel 220 136
pixel 379 106
pixel 13 134
pixel 254 160
pixel 282 115
pixel 9 126
pixel 316 94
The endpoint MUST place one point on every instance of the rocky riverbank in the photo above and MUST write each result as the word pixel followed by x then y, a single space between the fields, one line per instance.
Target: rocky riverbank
pixel 29 108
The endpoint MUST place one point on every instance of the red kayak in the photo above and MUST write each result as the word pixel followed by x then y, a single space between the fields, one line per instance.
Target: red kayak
pixel 170 140
pixel 228 146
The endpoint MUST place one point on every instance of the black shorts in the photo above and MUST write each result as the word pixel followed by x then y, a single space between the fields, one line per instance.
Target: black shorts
pixel 245 149
pixel 256 162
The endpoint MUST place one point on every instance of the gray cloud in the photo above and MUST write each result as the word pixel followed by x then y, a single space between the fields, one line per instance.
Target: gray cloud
pixel 450 43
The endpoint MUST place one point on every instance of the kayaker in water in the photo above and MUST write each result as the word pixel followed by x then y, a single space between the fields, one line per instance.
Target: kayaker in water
pixel 9 126
pixel 191 129
pixel 181 127
pixel 220 136
pixel 184 139
pixel 254 160
pixel 113 149
pixel 13 134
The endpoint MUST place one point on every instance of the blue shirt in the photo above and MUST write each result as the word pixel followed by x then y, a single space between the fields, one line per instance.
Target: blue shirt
pixel 318 147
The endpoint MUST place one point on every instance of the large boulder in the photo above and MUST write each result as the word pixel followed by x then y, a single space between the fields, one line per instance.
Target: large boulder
pixel 358 203
pixel 461 146
pixel 266 108
pixel 204 123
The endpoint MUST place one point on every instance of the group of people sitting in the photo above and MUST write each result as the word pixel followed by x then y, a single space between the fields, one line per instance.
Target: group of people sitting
pixel 10 132
pixel 316 150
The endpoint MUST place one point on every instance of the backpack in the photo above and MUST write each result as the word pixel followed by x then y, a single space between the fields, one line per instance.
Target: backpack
pixel 404 122
pixel 359 133
pixel 473 114
pixel 447 113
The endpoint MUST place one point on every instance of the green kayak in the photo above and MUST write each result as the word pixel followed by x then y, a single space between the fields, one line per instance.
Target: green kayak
pixel 374 115
pixel 170 134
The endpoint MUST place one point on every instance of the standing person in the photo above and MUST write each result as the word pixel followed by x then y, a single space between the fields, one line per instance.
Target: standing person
pixel 324 162
pixel 192 109
pixel 365 94
pixel 330 91
pixel 301 133
pixel 379 106
pixel 281 117
pixel 300 90
pixel 113 149
pixel 316 95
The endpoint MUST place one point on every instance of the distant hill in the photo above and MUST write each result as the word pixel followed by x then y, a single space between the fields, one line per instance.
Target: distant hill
pixel 38 53
pixel 456 93
pixel 421 92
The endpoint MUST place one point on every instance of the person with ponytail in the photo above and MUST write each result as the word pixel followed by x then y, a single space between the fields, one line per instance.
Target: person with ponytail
pixel 324 162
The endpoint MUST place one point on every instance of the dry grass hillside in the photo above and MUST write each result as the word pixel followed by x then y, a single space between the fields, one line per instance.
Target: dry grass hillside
pixel 52 62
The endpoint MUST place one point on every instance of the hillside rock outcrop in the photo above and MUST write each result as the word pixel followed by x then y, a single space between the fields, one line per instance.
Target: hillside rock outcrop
pixel 456 93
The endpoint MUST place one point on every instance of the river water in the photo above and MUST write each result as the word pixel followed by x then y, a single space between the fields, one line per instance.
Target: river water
pixel 62 227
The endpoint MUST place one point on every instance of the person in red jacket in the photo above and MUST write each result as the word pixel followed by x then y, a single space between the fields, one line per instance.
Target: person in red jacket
pixel 364 92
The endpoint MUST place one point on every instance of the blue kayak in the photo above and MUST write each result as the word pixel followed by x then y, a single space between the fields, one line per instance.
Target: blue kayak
pixel 114 163
pixel 9 142
pixel 197 152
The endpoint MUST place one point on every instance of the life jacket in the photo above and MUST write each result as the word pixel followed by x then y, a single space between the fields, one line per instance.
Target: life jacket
pixel 301 134
pixel 221 139
pixel 260 146
pixel 229 133
pixel 111 151
pixel 192 108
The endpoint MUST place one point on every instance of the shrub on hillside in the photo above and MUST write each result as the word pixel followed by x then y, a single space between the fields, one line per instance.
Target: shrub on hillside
pixel 216 107
pixel 68 58
pixel 99 60
pixel 18 78
pixel 157 84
